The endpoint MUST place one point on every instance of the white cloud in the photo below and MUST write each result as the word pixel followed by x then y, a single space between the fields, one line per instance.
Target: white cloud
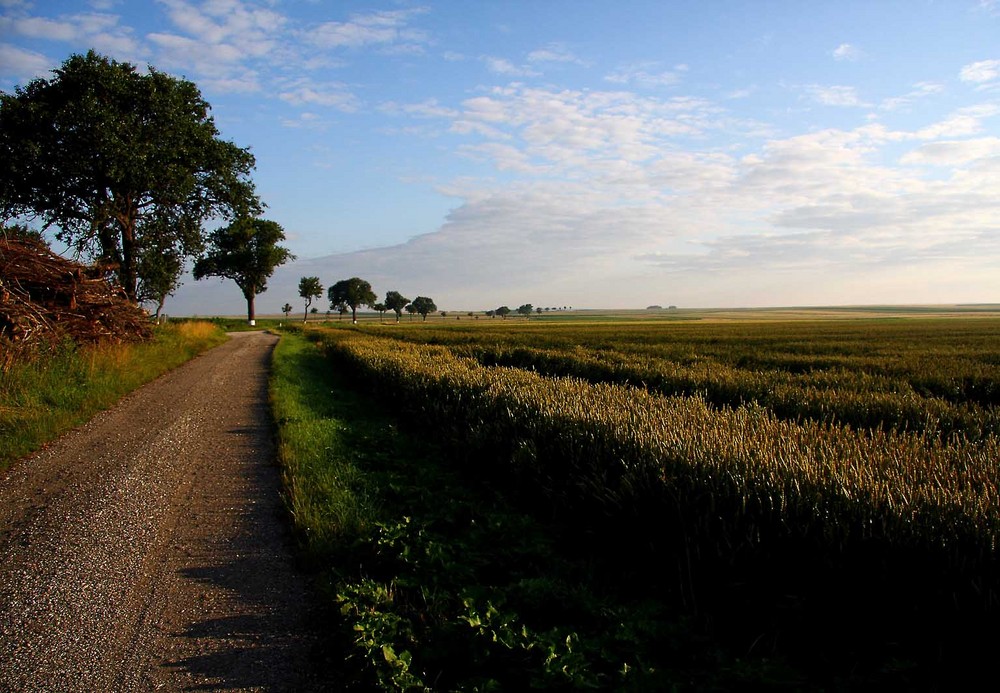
pixel 646 75
pixel 954 152
pixel 96 30
pixel 217 21
pixel 741 93
pixel 42 27
pixel 247 82
pixel 330 94
pixel 962 123
pixel 981 72
pixel 212 59
pixel 789 214
pixel 554 53
pixel 22 64
pixel 502 66
pixel 846 51
pixel 376 28
pixel 835 95
pixel 991 7
pixel 919 91
pixel 429 108
pixel 306 120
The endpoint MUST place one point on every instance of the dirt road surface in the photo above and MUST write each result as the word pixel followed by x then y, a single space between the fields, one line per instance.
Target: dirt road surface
pixel 146 550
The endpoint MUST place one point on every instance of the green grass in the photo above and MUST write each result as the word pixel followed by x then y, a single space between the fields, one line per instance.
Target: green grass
pixel 49 393
pixel 322 430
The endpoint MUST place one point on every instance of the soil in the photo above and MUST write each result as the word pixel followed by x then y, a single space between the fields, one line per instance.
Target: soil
pixel 148 550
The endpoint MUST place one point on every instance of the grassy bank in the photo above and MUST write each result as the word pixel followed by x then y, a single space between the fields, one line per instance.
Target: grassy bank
pixel 50 393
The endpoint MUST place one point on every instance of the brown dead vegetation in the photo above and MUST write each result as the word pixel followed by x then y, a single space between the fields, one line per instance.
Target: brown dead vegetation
pixel 46 298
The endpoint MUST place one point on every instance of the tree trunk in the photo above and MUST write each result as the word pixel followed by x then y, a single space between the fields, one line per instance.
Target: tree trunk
pixel 251 314
pixel 128 271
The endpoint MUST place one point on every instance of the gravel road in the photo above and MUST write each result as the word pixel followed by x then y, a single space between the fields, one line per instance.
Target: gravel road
pixel 147 551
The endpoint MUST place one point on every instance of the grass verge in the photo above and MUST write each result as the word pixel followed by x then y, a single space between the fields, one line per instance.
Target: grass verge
pixel 52 392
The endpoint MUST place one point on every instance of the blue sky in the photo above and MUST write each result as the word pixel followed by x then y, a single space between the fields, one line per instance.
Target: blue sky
pixel 585 153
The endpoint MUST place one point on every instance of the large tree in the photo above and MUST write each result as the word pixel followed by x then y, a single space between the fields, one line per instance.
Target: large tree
pixel 396 302
pixel 118 160
pixel 247 252
pixel 309 289
pixel 424 305
pixel 352 292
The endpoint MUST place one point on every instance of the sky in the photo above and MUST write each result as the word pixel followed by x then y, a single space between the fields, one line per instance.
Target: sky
pixel 588 153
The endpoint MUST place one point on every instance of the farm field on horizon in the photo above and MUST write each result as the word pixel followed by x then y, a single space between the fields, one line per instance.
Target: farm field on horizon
pixel 776 313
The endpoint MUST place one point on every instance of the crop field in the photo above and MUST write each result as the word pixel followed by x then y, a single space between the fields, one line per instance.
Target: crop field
pixel 817 498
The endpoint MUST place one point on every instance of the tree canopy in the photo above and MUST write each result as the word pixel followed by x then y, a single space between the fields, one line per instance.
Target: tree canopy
pixel 396 302
pixel 309 289
pixel 525 309
pixel 352 292
pixel 247 252
pixel 119 161
pixel 423 305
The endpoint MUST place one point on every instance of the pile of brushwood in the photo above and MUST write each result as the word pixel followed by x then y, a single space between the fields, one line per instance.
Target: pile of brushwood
pixel 46 298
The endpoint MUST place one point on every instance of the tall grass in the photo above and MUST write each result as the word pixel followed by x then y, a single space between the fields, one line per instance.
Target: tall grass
pixel 46 393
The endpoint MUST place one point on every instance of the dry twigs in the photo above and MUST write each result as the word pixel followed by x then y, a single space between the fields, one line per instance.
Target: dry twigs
pixel 45 297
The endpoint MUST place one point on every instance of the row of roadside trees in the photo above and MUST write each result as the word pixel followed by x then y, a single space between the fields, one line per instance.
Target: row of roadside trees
pixel 354 293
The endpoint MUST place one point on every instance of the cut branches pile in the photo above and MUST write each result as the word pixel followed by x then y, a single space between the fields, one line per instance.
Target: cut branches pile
pixel 45 298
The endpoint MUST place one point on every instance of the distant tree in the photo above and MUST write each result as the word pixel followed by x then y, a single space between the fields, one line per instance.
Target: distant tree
pixel 411 309
pixel 380 308
pixel 247 252
pixel 423 305
pixel 352 292
pixel 119 159
pixel 309 289
pixel 314 310
pixel 538 310
pixel 490 313
pixel 503 312
pixel 342 310
pixel 396 302
pixel 287 309
pixel 525 309
pixel 444 314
